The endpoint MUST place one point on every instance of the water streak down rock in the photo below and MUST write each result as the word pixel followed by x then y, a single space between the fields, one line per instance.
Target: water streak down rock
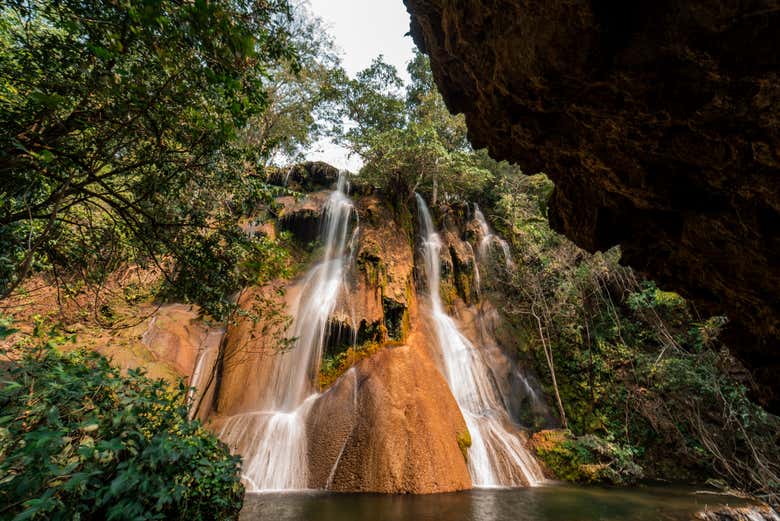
pixel 497 456
pixel 272 439
pixel 659 123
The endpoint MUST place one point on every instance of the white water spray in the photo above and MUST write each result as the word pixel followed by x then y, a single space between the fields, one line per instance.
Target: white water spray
pixel 272 440
pixel 201 386
pixel 490 239
pixel 497 456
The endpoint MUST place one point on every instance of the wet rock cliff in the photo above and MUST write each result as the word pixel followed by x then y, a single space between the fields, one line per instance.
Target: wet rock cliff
pixel 352 393
pixel 383 419
pixel 659 123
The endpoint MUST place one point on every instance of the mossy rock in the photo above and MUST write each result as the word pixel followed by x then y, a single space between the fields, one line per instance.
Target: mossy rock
pixel 333 367
pixel 464 442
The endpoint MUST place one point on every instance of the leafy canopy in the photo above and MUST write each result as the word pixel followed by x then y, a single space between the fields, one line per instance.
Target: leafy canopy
pixel 303 95
pixel 118 122
pixel 408 140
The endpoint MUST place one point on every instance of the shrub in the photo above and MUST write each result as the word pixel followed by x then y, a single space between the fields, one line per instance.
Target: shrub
pixel 80 441
pixel 586 459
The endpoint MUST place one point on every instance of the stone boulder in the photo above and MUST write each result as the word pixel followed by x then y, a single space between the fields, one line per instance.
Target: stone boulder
pixel 253 348
pixel 301 216
pixel 389 425
pixel 305 177
pixel 175 334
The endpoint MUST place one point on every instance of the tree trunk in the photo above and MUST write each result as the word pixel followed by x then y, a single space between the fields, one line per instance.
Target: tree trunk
pixel 551 366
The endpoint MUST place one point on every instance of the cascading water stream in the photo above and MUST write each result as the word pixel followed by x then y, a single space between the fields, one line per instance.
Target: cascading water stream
pixel 204 363
pixel 489 239
pixel 497 456
pixel 272 440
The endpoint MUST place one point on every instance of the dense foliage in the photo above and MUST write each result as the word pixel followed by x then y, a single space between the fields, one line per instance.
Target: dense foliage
pixel 633 365
pixel 118 134
pixel 586 459
pixel 80 441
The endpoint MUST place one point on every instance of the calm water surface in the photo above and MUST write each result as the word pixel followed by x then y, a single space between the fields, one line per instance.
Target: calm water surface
pixel 546 503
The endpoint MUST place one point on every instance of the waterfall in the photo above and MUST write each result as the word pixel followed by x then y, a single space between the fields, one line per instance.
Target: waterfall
pixel 272 439
pixel 477 277
pixel 489 239
pixel 200 389
pixel 497 456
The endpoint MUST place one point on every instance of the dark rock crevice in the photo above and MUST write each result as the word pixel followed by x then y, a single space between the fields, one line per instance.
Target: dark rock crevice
pixel 659 123
pixel 304 177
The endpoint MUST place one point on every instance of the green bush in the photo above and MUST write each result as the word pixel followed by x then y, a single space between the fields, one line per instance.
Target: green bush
pixel 80 441
pixel 586 459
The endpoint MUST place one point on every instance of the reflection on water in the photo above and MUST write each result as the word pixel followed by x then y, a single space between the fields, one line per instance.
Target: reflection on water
pixel 546 503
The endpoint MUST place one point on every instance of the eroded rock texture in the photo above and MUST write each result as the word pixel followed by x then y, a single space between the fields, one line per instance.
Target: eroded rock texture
pixel 304 177
pixel 253 347
pixel 659 122
pixel 301 217
pixel 390 425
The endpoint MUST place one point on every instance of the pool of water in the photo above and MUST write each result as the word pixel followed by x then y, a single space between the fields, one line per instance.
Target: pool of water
pixel 555 502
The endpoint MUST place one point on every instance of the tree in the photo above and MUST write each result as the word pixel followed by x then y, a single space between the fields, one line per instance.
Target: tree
pixel 117 127
pixel 425 105
pixel 416 159
pixel 411 143
pixel 373 102
pixel 421 76
pixel 303 94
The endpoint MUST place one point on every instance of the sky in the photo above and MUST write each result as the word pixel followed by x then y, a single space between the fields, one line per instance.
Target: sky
pixel 362 30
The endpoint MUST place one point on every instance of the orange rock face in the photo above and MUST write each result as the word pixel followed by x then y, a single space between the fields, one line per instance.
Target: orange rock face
pixel 251 349
pixel 379 289
pixel 174 335
pixel 389 425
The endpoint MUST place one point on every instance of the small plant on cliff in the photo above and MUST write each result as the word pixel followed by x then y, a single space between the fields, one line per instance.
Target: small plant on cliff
pixel 336 365
pixel 464 443
pixel 80 441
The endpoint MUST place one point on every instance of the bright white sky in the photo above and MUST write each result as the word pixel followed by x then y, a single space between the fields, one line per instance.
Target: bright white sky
pixel 362 30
